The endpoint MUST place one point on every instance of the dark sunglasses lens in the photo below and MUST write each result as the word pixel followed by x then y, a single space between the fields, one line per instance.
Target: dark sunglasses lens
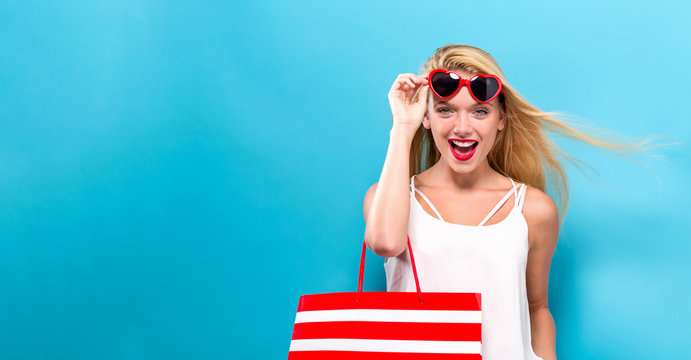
pixel 484 88
pixel 445 84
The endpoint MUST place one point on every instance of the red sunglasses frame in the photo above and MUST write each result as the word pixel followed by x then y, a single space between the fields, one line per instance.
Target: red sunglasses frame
pixel 462 82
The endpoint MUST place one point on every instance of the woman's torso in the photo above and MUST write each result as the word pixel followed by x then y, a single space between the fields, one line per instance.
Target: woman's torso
pixel 490 259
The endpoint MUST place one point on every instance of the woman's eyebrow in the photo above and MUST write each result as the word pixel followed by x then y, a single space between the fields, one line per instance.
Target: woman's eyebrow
pixel 448 103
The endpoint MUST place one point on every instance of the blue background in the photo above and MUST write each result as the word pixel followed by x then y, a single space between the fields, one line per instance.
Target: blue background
pixel 175 174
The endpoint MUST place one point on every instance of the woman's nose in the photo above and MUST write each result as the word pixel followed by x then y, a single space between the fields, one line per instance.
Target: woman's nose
pixel 462 124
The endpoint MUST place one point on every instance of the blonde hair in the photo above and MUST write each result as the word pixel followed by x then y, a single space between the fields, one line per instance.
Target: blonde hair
pixel 532 162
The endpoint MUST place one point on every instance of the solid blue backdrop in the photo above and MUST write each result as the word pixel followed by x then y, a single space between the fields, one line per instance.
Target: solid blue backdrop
pixel 175 174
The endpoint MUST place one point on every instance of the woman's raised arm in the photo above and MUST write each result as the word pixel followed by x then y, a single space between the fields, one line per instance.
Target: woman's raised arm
pixel 386 206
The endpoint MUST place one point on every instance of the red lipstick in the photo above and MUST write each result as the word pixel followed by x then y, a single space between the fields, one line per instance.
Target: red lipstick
pixel 459 156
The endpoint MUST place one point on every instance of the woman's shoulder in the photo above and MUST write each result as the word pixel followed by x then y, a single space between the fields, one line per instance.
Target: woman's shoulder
pixel 537 202
pixel 539 211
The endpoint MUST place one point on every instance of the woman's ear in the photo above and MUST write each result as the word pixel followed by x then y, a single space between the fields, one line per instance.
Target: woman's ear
pixel 502 122
pixel 425 120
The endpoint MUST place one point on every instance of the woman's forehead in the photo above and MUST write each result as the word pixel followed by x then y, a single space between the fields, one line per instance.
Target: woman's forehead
pixel 462 98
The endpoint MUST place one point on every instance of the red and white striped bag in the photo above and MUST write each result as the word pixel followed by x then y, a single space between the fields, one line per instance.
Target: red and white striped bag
pixel 388 325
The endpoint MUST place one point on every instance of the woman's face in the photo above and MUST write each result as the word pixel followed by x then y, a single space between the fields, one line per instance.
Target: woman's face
pixel 463 118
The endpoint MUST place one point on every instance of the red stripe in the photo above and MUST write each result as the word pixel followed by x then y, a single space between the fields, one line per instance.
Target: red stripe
pixel 388 330
pixel 374 355
pixel 391 300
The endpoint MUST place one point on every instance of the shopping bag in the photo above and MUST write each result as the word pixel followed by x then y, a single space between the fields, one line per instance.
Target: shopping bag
pixel 387 325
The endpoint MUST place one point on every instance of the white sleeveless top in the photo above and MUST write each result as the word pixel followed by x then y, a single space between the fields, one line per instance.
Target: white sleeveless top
pixel 489 259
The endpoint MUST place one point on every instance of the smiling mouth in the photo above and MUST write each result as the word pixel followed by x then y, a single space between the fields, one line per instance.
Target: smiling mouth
pixel 463 150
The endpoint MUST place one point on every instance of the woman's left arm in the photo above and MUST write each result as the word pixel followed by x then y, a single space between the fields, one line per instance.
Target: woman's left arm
pixel 543 231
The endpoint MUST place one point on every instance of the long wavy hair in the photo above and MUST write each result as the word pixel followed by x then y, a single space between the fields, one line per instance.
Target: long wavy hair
pixel 522 150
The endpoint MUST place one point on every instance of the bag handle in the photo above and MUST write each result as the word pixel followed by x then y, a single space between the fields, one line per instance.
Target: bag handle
pixel 362 270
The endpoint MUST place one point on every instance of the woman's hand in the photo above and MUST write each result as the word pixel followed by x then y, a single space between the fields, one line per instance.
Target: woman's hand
pixel 400 96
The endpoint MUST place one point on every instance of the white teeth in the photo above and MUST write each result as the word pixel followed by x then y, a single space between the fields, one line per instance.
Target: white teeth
pixel 464 143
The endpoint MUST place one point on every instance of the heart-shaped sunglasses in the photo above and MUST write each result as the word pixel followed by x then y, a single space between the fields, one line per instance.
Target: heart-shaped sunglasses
pixel 446 83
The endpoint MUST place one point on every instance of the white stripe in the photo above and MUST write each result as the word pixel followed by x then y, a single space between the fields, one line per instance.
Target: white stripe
pixel 416 346
pixel 437 316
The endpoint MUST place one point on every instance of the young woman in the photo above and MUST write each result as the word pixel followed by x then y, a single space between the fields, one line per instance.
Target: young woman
pixel 468 188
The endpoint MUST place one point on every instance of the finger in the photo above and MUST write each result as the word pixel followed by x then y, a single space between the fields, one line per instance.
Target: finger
pixel 422 96
pixel 407 76
pixel 411 79
pixel 403 79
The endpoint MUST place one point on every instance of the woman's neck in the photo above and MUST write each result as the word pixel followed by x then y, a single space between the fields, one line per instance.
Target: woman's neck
pixel 482 177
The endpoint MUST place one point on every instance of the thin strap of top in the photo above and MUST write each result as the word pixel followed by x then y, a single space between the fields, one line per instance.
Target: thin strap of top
pixel 429 203
pixel 521 196
pixel 518 197
pixel 502 201
pixel 412 194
